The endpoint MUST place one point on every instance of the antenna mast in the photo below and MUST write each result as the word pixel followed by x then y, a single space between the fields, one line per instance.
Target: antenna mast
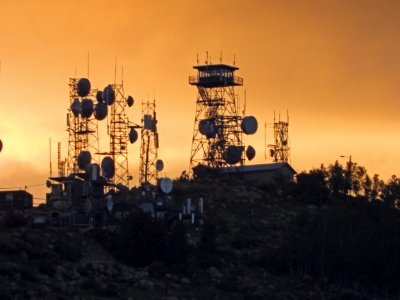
pixel 148 172
pixel 279 151
pixel 51 169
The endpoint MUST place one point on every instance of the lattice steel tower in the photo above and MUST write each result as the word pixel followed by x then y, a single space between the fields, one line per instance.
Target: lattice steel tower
pixel 149 144
pixel 279 151
pixel 82 132
pixel 217 135
pixel 118 131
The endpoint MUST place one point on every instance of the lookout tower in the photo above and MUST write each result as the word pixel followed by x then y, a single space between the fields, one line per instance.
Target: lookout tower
pixel 218 127
pixel 280 150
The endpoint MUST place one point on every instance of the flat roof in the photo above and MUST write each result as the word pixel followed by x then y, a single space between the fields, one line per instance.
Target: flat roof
pixel 215 67
pixel 15 191
pixel 247 169
pixel 256 168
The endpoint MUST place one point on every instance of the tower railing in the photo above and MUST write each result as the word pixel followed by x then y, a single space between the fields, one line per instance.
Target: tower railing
pixel 215 80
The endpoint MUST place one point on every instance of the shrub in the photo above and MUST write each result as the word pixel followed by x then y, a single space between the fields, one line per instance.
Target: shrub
pixel 15 220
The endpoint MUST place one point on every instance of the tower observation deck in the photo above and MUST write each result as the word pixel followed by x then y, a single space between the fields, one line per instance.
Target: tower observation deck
pixel 217 134
pixel 219 75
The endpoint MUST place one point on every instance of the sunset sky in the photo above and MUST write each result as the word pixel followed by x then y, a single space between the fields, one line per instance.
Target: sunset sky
pixel 335 65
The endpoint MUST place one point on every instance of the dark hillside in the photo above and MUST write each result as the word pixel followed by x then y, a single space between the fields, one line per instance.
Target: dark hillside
pixel 331 235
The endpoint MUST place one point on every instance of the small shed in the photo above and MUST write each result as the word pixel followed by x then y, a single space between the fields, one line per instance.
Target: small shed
pixel 260 173
pixel 15 199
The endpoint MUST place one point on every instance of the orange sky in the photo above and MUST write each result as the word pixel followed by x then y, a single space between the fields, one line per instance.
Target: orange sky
pixel 335 65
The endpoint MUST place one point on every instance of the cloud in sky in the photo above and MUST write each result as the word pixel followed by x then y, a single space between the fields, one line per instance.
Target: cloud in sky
pixel 333 64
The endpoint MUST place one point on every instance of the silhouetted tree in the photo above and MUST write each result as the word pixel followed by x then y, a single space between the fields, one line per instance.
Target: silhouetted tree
pixel 338 181
pixel 312 187
pixel 377 188
pixel 391 192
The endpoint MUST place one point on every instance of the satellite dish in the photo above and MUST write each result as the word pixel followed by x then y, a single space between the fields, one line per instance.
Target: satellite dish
pixel 100 111
pixel 159 165
pixel 83 87
pixel 48 183
pixel 87 108
pixel 148 122
pixel 207 127
pixel 1 145
pixel 99 96
pixel 130 101
pixel 107 167
pixel 133 135
pixel 250 152
pixel 233 154
pixel 249 125
pixel 94 171
pixel 212 130
pixel 76 107
pixel 84 159
pixel 203 126
pixel 110 203
pixel 109 95
pixel 147 208
pixel 165 185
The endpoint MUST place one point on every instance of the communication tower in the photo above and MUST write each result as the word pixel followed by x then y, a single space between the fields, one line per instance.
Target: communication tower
pixel 81 126
pixel 60 162
pixel 279 151
pixel 218 127
pixel 149 163
pixel 118 131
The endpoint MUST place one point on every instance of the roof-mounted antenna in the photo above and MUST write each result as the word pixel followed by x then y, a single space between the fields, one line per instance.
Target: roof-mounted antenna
pixel 265 140
pixel 51 169
pixel 220 58
pixel 88 64
pixel 206 57
pixel 115 70
pixel 245 100
pixel 197 58
pixel 238 103
pixel 234 60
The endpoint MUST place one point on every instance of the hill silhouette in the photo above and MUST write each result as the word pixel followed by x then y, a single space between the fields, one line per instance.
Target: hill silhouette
pixel 333 234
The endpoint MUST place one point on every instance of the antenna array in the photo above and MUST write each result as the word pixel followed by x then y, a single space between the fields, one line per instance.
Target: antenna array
pixel 279 151
pixel 218 127
pixel 82 128
pixel 149 163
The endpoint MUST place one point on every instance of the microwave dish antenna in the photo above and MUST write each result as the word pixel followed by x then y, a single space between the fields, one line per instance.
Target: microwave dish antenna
pixel 87 108
pixel 83 87
pixel 108 167
pixel 250 152
pixel 249 125
pixel 109 95
pixel 100 111
pixel 99 96
pixel 130 101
